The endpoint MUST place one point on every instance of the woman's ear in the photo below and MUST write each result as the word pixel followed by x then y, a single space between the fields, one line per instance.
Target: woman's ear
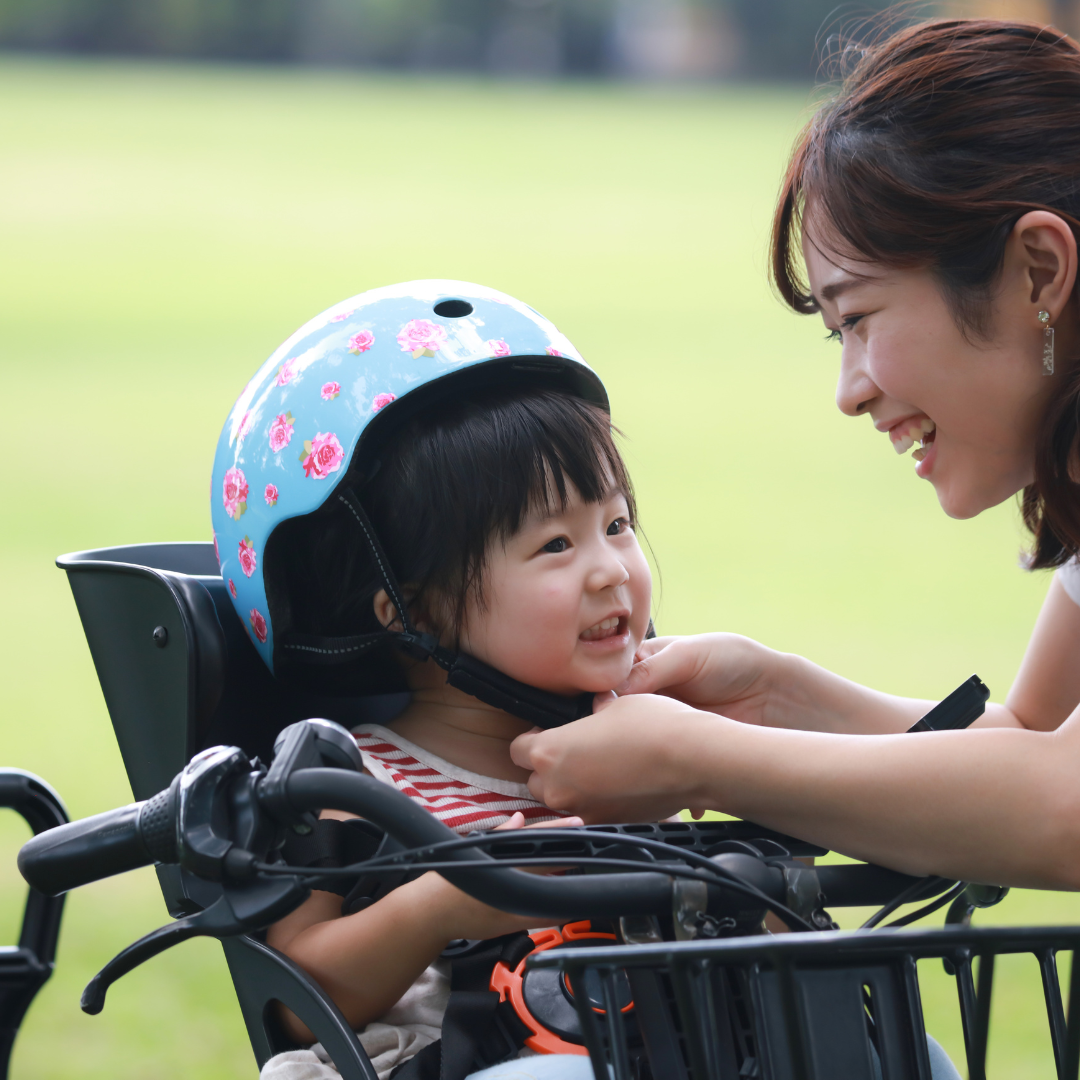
pixel 1040 257
pixel 385 611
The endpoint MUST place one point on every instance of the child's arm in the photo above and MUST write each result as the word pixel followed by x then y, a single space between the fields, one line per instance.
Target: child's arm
pixel 367 961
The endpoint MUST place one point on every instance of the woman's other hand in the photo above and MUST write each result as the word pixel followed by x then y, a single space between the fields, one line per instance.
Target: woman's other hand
pixel 620 764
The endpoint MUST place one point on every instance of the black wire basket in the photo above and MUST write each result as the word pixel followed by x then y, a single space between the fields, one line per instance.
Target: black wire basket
pixel 831 1006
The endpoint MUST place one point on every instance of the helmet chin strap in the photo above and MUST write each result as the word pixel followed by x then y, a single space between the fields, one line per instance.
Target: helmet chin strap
pixel 464 672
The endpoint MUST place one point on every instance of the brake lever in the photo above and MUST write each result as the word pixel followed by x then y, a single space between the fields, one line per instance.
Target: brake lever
pixel 242 906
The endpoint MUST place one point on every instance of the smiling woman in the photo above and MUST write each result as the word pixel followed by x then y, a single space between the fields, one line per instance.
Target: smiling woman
pixel 930 215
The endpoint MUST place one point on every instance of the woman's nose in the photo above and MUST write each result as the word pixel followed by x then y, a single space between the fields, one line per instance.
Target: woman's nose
pixel 855 390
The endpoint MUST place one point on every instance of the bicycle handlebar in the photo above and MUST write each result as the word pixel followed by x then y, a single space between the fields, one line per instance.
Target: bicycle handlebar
pixel 75 854
pixel 194 823
pixel 531 895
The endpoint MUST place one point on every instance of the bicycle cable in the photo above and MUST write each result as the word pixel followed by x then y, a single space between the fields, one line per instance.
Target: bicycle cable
pixel 928 909
pixel 901 898
pixel 411 860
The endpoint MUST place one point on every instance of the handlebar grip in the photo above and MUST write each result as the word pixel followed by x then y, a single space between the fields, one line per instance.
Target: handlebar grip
pixel 68 856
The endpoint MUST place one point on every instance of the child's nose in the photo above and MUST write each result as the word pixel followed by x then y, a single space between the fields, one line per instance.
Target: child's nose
pixel 609 572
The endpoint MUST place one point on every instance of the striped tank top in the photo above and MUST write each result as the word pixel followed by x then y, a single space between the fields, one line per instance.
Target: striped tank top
pixel 460 799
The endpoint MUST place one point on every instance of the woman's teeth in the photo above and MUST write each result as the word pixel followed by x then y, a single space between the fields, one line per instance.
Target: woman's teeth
pixel 904 438
pixel 604 629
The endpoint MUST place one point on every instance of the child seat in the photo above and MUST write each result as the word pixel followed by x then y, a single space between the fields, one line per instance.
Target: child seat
pixel 179 674
pixel 26 967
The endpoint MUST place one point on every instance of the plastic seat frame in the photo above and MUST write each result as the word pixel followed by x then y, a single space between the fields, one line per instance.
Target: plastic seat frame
pixel 26 967
pixel 179 674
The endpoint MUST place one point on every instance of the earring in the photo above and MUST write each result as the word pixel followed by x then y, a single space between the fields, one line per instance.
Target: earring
pixel 1048 343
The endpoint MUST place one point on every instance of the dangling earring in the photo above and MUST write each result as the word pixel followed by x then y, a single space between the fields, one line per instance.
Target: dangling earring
pixel 1048 343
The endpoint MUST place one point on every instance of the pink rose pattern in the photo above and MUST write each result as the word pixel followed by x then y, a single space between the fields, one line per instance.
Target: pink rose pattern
pixel 421 337
pixel 281 431
pixel 361 342
pixel 341 316
pixel 258 625
pixel 235 493
pixel 322 455
pixel 246 552
pixel 287 372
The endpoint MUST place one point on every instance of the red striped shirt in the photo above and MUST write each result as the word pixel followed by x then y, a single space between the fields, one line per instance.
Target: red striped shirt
pixel 460 799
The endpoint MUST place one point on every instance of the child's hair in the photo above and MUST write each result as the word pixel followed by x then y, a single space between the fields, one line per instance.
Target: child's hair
pixel 462 474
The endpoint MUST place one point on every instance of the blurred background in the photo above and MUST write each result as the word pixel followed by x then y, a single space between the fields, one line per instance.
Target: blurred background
pixel 184 182
pixel 637 39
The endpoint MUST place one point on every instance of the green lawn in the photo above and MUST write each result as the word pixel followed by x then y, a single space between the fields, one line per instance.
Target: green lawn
pixel 163 229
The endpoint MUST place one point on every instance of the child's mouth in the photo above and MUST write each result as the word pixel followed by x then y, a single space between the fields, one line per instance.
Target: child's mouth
pixel 606 628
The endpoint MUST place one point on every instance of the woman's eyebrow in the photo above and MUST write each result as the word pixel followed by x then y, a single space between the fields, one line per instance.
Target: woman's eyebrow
pixel 838 288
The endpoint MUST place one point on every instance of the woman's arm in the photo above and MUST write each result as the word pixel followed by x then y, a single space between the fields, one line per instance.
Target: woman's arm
pixel 994 805
pixel 1047 687
pixel 739 678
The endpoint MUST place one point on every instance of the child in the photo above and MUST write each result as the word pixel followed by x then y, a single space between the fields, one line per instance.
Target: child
pixel 507 521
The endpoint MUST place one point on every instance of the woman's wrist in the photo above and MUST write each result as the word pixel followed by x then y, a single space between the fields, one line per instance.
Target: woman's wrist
pixel 812 698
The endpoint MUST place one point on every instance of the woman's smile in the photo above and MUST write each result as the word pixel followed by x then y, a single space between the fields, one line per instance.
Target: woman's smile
pixel 907 432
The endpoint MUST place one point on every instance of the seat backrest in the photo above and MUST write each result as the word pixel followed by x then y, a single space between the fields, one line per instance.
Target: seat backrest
pixel 176 666
pixel 179 674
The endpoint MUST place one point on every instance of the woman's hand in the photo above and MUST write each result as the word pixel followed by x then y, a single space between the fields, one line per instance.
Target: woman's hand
pixel 722 673
pixel 743 680
pixel 626 762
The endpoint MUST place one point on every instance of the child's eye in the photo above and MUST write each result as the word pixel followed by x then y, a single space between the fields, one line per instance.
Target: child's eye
pixel 556 545
pixel 619 525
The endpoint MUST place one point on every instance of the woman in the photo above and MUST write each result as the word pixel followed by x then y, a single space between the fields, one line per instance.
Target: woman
pixel 936 200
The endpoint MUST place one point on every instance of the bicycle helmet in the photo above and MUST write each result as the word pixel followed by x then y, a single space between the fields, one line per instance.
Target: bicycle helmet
pixel 320 407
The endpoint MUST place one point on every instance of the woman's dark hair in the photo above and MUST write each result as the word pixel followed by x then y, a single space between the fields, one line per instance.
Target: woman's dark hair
pixel 462 474
pixel 942 137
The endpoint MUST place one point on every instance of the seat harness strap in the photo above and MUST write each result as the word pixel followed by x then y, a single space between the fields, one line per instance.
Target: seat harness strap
pixel 464 672
pixel 478 1029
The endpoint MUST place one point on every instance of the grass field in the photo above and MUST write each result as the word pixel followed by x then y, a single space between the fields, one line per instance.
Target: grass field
pixel 163 229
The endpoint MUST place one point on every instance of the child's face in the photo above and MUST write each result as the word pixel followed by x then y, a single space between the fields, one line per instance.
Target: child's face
pixel 567 599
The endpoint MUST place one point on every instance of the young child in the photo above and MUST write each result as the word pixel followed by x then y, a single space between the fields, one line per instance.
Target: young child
pixel 506 515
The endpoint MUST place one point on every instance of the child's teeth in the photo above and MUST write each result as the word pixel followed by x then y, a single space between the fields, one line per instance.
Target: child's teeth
pixel 600 627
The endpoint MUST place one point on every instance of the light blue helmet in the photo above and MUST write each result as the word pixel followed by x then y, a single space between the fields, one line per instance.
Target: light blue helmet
pixel 305 417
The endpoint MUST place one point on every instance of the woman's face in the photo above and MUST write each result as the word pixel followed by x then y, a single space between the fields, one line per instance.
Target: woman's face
pixel 567 599
pixel 906 364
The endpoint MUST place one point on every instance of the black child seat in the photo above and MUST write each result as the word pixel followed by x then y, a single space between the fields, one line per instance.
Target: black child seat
pixel 26 967
pixel 179 674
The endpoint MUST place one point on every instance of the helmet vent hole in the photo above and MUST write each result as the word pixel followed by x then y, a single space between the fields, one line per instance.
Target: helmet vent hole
pixel 453 309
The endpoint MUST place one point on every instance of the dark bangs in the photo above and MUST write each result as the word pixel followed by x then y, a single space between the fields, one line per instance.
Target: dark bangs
pixel 462 475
